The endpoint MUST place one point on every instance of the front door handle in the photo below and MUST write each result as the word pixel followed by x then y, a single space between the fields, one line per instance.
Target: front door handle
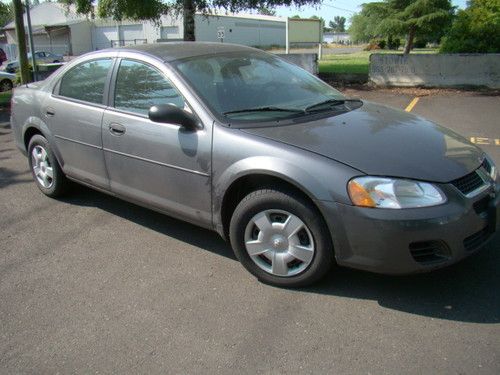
pixel 116 129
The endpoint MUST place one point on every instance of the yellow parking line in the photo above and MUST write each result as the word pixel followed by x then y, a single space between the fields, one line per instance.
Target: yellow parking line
pixel 485 141
pixel 412 104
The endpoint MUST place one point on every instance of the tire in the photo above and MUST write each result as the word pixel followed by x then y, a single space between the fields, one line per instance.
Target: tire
pixel 263 222
pixel 6 85
pixel 42 160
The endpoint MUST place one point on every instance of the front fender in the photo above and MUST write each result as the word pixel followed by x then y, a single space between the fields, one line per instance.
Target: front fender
pixel 276 167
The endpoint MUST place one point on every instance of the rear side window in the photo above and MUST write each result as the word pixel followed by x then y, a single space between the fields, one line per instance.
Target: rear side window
pixel 140 86
pixel 86 81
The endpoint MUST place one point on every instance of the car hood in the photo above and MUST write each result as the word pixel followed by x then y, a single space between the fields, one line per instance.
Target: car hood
pixel 383 141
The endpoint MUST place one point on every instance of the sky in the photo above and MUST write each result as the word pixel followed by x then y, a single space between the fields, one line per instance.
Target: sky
pixel 332 8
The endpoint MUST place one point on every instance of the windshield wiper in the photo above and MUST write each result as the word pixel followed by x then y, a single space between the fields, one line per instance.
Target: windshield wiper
pixel 330 102
pixel 265 109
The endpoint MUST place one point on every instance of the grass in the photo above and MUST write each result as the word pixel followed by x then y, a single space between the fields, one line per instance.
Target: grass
pixel 358 62
pixel 5 98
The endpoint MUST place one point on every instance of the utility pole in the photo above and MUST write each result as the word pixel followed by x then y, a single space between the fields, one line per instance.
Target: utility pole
pixel 21 41
pixel 32 45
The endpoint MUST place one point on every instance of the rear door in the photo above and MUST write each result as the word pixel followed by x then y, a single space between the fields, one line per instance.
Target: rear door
pixel 161 165
pixel 74 113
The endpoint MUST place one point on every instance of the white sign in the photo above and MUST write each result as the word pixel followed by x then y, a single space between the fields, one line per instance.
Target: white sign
pixel 221 32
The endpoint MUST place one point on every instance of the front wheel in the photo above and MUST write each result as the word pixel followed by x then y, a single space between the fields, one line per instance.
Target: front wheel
pixel 45 169
pixel 281 238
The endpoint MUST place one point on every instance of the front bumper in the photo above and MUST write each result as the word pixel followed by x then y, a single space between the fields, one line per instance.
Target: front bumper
pixel 413 240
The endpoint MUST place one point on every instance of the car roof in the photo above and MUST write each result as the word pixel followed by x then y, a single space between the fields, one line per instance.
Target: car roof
pixel 172 51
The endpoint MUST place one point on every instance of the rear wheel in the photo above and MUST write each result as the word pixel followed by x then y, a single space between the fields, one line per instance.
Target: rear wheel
pixel 281 238
pixel 45 169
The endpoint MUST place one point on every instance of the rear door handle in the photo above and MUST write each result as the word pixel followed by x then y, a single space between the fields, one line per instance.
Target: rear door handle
pixel 49 111
pixel 116 129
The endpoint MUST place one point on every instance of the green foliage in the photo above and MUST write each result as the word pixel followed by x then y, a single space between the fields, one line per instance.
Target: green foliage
pixel 338 24
pixel 154 9
pixel 364 25
pixel 6 13
pixel 475 29
pixel 266 11
pixel 413 18
pixel 393 43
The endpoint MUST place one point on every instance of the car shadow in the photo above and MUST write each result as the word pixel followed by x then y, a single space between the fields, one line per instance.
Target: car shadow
pixel 467 291
pixel 180 230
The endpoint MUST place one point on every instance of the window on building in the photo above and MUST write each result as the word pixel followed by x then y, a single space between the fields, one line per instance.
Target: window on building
pixel 170 32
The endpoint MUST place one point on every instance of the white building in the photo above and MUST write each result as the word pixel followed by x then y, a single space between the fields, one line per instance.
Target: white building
pixel 336 37
pixel 59 29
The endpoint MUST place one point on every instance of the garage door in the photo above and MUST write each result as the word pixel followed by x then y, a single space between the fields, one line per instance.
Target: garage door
pixel 131 34
pixel 103 35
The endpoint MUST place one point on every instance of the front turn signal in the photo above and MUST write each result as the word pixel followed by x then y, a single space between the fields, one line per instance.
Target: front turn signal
pixel 359 196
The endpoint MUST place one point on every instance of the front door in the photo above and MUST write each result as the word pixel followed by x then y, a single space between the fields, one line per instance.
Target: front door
pixel 74 113
pixel 161 165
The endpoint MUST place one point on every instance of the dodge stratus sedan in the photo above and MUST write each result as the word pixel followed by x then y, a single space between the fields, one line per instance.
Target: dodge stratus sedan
pixel 295 175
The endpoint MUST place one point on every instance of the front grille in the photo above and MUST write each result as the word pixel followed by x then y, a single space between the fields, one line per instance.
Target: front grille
pixel 428 252
pixel 468 183
pixel 475 241
pixel 482 205
pixel 486 165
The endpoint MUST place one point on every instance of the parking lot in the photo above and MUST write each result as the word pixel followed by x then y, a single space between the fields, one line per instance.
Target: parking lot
pixel 92 284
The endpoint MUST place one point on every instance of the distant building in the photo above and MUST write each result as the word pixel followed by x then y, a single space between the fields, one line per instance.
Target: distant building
pixel 336 37
pixel 59 29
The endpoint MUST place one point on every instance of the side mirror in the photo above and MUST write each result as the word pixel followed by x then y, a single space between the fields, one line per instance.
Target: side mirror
pixel 170 114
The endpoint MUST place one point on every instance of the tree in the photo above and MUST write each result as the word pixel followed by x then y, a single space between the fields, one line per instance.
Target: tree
pixel 475 29
pixel 21 41
pixel 365 24
pixel 152 10
pixel 6 14
pixel 412 18
pixel 266 11
pixel 338 24
pixel 297 17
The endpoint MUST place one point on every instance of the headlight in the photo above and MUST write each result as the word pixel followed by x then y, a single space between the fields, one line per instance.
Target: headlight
pixel 393 193
pixel 493 171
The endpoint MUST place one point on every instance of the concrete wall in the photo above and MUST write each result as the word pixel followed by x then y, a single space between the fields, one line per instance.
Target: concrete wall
pixel 436 70
pixel 307 61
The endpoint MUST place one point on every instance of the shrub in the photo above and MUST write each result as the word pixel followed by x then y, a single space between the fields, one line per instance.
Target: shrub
pixel 375 44
pixel 393 43
pixel 475 29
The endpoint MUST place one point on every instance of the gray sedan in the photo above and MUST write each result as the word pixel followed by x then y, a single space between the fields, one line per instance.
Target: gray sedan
pixel 295 175
pixel 41 57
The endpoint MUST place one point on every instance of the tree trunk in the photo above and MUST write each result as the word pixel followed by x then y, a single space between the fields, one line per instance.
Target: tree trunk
pixel 409 40
pixel 21 42
pixel 188 16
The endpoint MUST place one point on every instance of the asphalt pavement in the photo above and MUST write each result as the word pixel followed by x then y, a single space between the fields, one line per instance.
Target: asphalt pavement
pixel 91 284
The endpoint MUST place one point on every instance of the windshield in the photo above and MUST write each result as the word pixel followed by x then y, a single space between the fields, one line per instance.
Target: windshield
pixel 254 86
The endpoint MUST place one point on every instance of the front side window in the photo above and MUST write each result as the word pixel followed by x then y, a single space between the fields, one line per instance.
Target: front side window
pixel 86 81
pixel 140 86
